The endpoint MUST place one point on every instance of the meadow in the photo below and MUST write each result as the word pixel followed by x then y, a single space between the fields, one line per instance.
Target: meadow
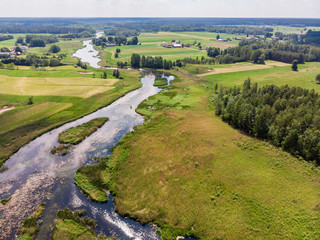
pixel 198 176
pixel 278 75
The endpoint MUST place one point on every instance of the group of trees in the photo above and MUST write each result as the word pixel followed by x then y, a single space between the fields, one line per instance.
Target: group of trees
pixel 33 60
pixel 150 62
pixel 44 29
pixel 118 40
pixel 287 116
pixel 134 29
pixel 5 37
pixel 83 34
pixel 236 54
pixel 116 73
pixel 40 40
pixel 82 65
pixel 285 51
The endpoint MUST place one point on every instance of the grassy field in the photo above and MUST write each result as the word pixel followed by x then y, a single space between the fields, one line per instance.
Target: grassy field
pixel 198 176
pixel 25 122
pixel 151 46
pixel 278 75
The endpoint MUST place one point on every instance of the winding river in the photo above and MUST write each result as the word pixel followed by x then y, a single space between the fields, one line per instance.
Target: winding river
pixel 34 175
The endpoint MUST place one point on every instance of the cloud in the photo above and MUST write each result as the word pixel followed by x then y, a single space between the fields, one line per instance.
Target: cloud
pixel 162 8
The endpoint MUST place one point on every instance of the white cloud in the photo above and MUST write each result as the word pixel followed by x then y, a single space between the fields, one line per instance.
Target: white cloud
pixel 161 8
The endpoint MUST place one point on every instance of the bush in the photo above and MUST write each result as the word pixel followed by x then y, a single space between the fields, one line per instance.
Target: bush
pixel 55 49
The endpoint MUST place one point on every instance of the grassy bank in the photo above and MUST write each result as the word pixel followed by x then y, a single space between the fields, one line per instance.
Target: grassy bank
pixel 30 226
pixel 198 176
pixel 94 180
pixel 77 134
pixel 160 82
pixel 26 122
pixel 74 225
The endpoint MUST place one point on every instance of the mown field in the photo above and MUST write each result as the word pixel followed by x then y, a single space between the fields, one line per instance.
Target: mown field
pixel 199 176
pixel 59 95
pixel 151 46
pixel 266 75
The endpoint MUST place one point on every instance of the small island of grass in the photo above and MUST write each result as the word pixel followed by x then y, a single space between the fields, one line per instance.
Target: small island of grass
pixel 93 180
pixel 75 135
pixel 74 225
pixel 160 82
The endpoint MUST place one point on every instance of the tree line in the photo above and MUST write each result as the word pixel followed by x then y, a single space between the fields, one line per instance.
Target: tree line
pixel 288 117
pixel 118 40
pixel 5 37
pixel 151 62
pixel 34 60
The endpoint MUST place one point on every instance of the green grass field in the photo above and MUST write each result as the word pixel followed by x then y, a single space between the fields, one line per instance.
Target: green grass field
pixel 278 75
pixel 151 46
pixel 198 176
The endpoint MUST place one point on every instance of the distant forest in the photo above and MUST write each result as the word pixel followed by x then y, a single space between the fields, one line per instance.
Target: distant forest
pixel 137 25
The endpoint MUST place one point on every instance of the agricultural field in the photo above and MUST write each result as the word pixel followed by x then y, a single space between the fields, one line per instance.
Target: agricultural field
pixel 271 73
pixel 151 46
pixel 220 185
pixel 58 94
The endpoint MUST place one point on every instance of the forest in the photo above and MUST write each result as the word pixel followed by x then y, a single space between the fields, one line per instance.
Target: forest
pixel 288 117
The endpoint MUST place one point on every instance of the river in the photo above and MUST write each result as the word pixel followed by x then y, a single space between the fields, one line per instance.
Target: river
pixel 34 175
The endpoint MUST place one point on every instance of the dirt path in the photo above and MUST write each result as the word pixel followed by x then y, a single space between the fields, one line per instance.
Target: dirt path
pixel 5 108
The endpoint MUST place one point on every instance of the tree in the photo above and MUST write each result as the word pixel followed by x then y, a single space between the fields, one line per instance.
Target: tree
pixel 55 49
pixel 135 60
pixel 18 49
pixel 116 55
pixel 218 37
pixel 318 78
pixel 30 100
pixel 256 55
pixel 118 50
pixel 54 62
pixel 105 75
pixel 294 66
pixel 19 40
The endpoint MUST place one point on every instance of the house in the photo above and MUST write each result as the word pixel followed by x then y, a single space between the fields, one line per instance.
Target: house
pixel 110 44
pixel 176 45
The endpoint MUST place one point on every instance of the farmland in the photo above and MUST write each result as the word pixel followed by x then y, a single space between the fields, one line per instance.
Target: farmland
pixel 151 46
pixel 182 167
pixel 59 95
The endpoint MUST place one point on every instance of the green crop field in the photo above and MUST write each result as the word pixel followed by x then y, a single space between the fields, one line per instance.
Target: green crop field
pixel 151 46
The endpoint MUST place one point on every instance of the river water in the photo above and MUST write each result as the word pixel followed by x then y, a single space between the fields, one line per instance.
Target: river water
pixel 34 175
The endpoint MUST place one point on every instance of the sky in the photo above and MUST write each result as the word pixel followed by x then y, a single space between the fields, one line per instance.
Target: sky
pixel 161 8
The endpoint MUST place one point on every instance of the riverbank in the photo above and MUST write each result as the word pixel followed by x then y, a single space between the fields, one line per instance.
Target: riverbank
pixel 12 140
pixel 198 176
